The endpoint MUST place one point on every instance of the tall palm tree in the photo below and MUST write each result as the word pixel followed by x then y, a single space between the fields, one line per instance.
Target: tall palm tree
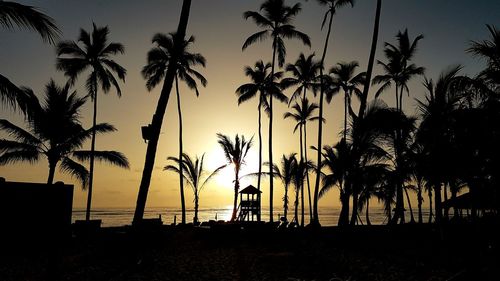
pixel 192 173
pixel 264 85
pixel 490 51
pixel 159 60
pixel 95 56
pixel 275 20
pixel 14 15
pixel 55 131
pixel 303 112
pixel 155 127
pixel 304 77
pixel 345 80
pixel 235 153
pixel 332 6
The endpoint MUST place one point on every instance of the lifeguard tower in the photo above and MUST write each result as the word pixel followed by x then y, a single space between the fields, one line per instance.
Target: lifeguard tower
pixel 249 204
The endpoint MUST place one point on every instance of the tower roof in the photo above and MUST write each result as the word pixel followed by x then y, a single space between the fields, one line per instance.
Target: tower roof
pixel 250 190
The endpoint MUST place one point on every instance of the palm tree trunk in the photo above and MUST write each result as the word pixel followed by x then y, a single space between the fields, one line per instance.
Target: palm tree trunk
pixel 437 202
pixel 196 206
pixel 296 203
pixel 285 203
pixel 271 172
pixel 181 172
pixel 236 188
pixel 446 210
pixel 315 220
pixel 305 159
pixel 412 218
pixel 354 215
pixel 420 199
pixel 430 205
pixel 92 149
pixel 302 184
pixel 260 152
pixel 344 210
pixel 371 61
pixel 158 120
pixel 368 222
pixel 52 171
pixel 345 117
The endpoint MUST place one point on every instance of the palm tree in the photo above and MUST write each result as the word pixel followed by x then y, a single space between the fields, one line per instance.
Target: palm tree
pixel 192 173
pixel 96 56
pixel 261 84
pixel 299 175
pixel 55 131
pixel 397 69
pixel 285 174
pixel 345 80
pixel 235 153
pixel 159 60
pixel 25 17
pixel 490 51
pixel 155 127
pixel 303 112
pixel 332 7
pixel 276 19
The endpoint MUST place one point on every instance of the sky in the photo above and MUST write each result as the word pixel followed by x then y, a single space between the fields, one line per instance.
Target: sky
pixel 220 30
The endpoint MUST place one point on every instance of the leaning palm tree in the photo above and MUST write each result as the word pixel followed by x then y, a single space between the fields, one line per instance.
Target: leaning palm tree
pixel 332 6
pixel 275 20
pixel 265 86
pixel 235 153
pixel 54 131
pixel 159 60
pixel 155 127
pixel 14 15
pixel 303 113
pixel 95 56
pixel 192 173
pixel 345 80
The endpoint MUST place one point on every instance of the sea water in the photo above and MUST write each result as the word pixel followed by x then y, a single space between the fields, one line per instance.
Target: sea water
pixel 123 216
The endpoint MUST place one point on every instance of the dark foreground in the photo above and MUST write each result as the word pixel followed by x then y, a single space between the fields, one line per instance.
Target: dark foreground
pixel 411 252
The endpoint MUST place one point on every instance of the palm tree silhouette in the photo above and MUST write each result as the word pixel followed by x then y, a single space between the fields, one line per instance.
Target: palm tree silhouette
pixel 159 60
pixel 490 51
pixel 345 80
pixel 192 173
pixel 55 131
pixel 235 153
pixel 332 6
pixel 285 174
pixel 264 85
pixel 303 112
pixel 14 15
pixel 304 76
pixel 276 21
pixel 299 176
pixel 157 121
pixel 96 56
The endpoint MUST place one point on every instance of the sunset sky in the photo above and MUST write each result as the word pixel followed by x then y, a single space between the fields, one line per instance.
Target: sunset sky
pixel 220 30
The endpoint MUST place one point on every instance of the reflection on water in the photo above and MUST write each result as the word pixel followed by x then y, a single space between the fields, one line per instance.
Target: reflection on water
pixel 123 216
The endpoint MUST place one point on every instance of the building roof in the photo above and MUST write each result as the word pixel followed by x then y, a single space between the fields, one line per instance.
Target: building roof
pixel 250 190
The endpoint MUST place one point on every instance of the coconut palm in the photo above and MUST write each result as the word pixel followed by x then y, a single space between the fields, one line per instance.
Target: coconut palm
pixel 55 131
pixel 304 76
pixel 192 173
pixel 261 84
pixel 14 15
pixel 490 51
pixel 299 176
pixel 285 174
pixel 155 127
pixel 235 153
pixel 303 113
pixel 275 20
pixel 345 80
pixel 159 60
pixel 96 57
pixel 332 6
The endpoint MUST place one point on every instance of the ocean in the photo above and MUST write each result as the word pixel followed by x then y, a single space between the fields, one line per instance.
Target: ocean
pixel 123 216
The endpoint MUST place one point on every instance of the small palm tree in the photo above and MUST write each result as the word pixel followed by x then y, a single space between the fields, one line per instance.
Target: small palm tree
pixel 265 86
pixel 55 131
pixel 490 51
pixel 26 17
pixel 345 80
pixel 235 153
pixel 192 173
pixel 331 9
pixel 304 76
pixel 275 20
pixel 303 113
pixel 159 60
pixel 95 56
pixel 285 174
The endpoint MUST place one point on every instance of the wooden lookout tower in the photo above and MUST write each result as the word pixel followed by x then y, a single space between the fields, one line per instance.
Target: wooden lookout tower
pixel 249 204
